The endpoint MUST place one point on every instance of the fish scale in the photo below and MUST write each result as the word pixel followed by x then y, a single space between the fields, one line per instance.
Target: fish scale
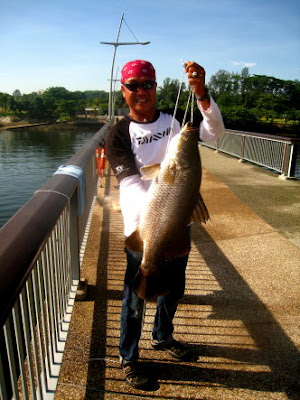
pixel 173 202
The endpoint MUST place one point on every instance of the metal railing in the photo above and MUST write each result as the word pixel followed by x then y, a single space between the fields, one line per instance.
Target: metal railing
pixel 39 273
pixel 276 153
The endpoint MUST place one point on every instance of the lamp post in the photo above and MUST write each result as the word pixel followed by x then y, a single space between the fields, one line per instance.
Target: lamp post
pixel 116 44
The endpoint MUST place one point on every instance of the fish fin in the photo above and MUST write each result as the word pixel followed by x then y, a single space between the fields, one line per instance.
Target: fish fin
pixel 150 171
pixel 169 174
pixel 134 242
pixel 200 212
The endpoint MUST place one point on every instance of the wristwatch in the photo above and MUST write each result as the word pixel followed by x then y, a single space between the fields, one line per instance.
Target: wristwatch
pixel 206 96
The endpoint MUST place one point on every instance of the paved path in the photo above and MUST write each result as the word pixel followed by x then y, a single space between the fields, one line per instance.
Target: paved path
pixel 240 312
pixel 275 200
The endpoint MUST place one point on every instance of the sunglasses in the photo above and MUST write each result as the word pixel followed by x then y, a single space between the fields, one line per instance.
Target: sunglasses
pixel 133 87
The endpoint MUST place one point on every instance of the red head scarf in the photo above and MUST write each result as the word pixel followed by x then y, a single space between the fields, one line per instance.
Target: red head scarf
pixel 137 68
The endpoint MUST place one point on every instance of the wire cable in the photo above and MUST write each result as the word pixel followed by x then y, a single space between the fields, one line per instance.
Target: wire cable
pixel 130 30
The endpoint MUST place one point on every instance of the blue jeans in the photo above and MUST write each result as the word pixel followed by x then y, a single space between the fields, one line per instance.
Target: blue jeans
pixel 133 307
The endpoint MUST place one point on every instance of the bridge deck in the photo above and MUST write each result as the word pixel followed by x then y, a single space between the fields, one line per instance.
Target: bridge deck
pixel 239 313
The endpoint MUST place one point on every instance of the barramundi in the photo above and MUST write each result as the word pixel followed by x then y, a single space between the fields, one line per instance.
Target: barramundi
pixel 173 202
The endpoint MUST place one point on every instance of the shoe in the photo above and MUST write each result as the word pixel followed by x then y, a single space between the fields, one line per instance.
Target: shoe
pixel 133 375
pixel 176 349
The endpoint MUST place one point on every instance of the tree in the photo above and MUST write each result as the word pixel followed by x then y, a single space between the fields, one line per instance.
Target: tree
pixel 52 98
pixel 65 109
pixel 17 94
pixel 244 100
pixel 58 93
pixel 4 101
pixel 36 108
pixel 227 99
pixel 167 94
pixel 219 83
pixel 263 96
pixel 238 117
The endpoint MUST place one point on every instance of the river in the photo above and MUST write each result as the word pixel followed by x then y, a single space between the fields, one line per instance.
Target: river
pixel 29 157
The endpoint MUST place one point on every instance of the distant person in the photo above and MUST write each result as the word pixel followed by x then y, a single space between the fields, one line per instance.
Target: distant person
pixel 129 147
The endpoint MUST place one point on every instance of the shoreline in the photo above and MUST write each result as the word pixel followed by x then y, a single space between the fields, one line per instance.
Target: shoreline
pixel 42 124
pixel 25 125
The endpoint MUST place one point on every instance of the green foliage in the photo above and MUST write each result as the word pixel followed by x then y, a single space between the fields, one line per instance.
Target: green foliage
pixel 167 94
pixel 245 101
pixel 66 109
pixel 221 83
pixel 238 117
pixel 54 103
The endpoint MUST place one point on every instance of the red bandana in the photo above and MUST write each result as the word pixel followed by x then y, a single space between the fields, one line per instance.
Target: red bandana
pixel 137 68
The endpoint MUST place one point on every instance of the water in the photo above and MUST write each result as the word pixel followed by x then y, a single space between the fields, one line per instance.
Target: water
pixel 28 158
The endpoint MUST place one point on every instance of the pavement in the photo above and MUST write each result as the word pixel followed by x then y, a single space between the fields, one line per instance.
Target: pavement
pixel 240 314
pixel 275 200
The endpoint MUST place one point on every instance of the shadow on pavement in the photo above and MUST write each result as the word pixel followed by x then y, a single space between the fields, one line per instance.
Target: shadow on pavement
pixel 235 301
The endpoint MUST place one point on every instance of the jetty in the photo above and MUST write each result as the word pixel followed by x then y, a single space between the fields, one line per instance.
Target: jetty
pixel 239 315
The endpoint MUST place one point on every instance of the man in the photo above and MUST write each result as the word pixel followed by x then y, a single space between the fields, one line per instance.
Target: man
pixel 137 140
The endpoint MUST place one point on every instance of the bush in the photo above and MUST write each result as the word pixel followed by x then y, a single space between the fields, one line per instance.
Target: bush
pixel 239 117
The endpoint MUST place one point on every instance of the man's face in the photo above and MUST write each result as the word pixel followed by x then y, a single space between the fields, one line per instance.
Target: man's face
pixel 140 101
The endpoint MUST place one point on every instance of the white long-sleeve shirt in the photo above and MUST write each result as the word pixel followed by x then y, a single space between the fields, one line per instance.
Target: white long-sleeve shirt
pixel 132 145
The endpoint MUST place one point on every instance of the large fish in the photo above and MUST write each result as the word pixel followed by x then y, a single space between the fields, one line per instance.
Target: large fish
pixel 173 202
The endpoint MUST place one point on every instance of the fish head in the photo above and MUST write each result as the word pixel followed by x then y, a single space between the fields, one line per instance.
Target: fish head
pixel 189 132
pixel 187 140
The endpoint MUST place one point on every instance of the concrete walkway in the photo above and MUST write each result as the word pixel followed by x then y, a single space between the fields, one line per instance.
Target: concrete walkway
pixel 274 200
pixel 240 312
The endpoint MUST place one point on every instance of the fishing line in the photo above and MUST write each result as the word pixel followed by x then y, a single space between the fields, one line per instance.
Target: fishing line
pixel 176 104
pixel 187 106
pixel 191 99
pixel 192 108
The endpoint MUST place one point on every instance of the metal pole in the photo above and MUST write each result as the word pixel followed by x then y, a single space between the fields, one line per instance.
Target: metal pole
pixel 110 112
pixel 113 100
pixel 116 44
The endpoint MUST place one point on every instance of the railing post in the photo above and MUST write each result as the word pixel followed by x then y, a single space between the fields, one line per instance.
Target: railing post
pixel 292 161
pixel 284 162
pixel 217 146
pixel 74 239
pixel 3 381
pixel 241 159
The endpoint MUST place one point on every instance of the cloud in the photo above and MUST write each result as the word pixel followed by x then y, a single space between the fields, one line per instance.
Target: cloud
pixel 244 64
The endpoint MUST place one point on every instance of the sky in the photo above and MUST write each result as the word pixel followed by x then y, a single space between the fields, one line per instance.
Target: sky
pixel 57 43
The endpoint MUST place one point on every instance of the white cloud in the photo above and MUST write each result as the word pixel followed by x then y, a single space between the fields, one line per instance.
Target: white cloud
pixel 244 64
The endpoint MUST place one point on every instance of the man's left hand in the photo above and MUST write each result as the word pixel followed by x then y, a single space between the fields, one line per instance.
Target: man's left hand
pixel 196 77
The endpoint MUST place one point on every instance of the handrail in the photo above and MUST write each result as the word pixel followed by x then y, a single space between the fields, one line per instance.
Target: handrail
pixel 278 153
pixel 264 136
pixel 23 236
pixel 40 254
